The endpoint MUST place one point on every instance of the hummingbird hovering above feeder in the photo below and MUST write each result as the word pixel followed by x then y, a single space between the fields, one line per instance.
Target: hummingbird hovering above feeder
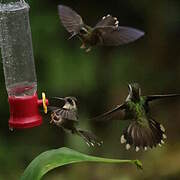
pixel 19 67
pixel 143 130
pixel 66 117
pixel 106 32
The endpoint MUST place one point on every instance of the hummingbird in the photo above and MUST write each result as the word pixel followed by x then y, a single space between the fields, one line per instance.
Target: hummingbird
pixel 143 131
pixel 66 117
pixel 106 32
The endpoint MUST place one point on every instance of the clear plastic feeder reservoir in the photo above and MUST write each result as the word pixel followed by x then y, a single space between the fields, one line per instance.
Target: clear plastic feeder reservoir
pixel 18 64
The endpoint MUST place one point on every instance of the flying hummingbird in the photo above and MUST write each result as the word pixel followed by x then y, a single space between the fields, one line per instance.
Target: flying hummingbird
pixel 143 131
pixel 106 32
pixel 66 117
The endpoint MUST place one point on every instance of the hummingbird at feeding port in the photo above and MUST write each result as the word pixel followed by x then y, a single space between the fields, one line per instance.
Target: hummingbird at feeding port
pixel 143 131
pixel 66 117
pixel 106 32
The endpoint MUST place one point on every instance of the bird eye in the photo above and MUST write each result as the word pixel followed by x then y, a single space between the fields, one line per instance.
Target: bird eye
pixel 70 101
pixel 83 31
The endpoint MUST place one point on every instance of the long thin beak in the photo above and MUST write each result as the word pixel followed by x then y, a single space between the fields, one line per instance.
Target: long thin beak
pixel 62 99
pixel 74 34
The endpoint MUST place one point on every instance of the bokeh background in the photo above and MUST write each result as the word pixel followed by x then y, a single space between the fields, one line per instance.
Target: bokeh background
pixel 99 80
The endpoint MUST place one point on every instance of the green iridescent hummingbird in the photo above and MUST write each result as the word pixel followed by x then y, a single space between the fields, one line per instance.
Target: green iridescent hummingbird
pixel 66 117
pixel 106 32
pixel 143 131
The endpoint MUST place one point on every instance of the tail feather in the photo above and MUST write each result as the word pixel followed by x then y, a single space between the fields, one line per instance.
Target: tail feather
pixel 157 131
pixel 143 137
pixel 160 132
pixel 89 138
pixel 138 139
pixel 151 139
pixel 156 134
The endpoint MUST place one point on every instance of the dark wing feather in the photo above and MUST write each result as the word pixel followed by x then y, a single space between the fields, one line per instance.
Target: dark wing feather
pixel 106 114
pixel 154 97
pixel 67 114
pixel 107 21
pixel 70 19
pixel 115 36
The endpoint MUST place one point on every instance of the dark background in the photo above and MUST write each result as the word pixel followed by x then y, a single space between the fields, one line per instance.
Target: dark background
pixel 99 80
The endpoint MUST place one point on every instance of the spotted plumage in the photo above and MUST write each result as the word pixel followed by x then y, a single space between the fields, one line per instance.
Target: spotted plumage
pixel 66 117
pixel 106 32
pixel 143 131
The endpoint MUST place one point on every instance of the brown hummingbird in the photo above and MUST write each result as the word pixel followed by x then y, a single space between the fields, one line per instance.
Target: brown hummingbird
pixel 66 117
pixel 106 32
pixel 143 131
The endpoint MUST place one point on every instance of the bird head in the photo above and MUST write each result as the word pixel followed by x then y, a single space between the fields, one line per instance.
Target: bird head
pixel 70 102
pixel 134 91
pixel 84 31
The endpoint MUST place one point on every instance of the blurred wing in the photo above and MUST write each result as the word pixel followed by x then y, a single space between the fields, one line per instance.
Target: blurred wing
pixel 52 108
pixel 154 97
pixel 107 21
pixel 70 19
pixel 56 102
pixel 90 138
pixel 108 113
pixel 115 36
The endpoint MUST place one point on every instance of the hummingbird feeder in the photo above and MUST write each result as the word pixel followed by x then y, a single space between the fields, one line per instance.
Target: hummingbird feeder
pixel 18 65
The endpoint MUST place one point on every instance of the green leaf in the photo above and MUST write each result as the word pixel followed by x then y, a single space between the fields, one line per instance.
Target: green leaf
pixel 54 158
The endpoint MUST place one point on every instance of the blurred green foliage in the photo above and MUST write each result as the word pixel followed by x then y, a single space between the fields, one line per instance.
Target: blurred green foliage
pixel 99 80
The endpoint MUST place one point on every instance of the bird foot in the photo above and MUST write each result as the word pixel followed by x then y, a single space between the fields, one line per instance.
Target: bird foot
pixel 51 121
pixel 88 49
pixel 83 46
pixel 53 115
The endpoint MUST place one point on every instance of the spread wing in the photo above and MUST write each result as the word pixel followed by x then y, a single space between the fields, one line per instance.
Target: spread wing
pixel 66 114
pixel 154 97
pixel 107 114
pixel 70 19
pixel 115 36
